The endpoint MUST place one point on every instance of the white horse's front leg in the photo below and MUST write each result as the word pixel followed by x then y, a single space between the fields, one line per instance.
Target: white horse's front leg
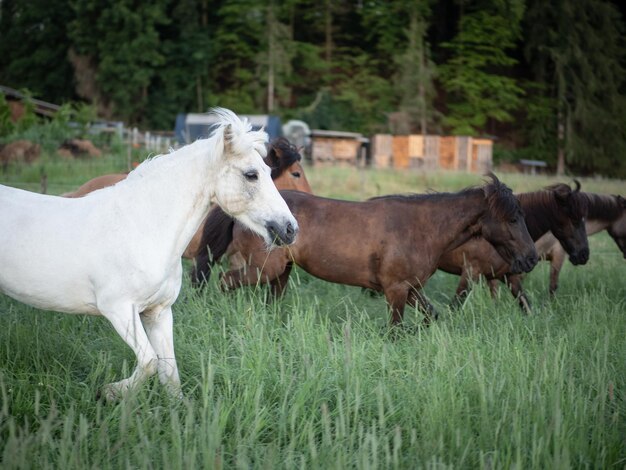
pixel 125 319
pixel 159 327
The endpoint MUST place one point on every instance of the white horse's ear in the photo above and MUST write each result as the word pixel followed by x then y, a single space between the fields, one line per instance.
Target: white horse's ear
pixel 228 139
pixel 261 148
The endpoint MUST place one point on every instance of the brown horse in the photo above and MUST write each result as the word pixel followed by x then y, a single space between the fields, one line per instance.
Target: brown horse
pixel 282 157
pixel 96 183
pixel 390 244
pixel 557 209
pixel 605 212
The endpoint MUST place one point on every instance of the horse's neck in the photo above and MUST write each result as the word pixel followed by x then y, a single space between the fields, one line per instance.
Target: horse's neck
pixel 460 220
pixel 603 211
pixel 593 226
pixel 173 195
pixel 538 214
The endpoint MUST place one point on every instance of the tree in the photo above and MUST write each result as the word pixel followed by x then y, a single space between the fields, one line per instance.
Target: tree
pixel 415 75
pixel 121 41
pixel 277 52
pixel 6 124
pixel 34 47
pixel 474 77
pixel 182 82
pixel 576 49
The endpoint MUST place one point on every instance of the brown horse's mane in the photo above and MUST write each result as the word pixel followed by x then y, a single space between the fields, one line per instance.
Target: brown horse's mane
pixel 500 199
pixel 542 206
pixel 604 206
pixel 281 155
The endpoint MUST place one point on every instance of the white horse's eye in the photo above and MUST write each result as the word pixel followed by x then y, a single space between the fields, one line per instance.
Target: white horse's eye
pixel 251 175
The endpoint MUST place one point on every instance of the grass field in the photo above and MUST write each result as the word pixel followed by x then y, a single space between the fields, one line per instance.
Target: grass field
pixel 316 381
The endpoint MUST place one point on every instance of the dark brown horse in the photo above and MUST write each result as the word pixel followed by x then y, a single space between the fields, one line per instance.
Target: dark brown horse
pixel 390 244
pixel 605 212
pixel 557 209
pixel 282 157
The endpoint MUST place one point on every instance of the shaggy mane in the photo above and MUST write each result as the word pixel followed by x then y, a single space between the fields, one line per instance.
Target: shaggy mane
pixel 281 155
pixel 603 206
pixel 499 197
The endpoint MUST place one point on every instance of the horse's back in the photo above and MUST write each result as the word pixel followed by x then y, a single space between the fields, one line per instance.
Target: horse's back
pixel 345 241
pixel 96 183
pixel 310 203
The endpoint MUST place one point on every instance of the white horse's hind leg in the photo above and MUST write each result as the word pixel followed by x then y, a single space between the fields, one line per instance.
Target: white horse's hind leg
pixel 159 327
pixel 125 319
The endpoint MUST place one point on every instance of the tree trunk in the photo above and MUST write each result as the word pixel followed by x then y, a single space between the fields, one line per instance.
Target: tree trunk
pixel 271 27
pixel 560 157
pixel 422 92
pixel 328 17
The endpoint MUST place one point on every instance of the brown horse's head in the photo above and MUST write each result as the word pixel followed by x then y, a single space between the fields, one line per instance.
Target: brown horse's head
pixel 284 160
pixel 504 227
pixel 567 223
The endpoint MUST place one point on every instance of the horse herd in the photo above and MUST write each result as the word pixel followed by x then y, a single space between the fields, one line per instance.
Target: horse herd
pixel 114 246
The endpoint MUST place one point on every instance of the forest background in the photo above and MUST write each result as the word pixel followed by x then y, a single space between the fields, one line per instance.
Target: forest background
pixel 546 80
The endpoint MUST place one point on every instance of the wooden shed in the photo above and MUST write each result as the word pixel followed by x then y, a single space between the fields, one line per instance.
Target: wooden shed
pixel 482 156
pixel 433 152
pixel 400 146
pixel 337 147
pixel 382 150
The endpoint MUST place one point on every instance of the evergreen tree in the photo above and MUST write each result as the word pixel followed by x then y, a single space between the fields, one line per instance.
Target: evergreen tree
pixel 577 52
pixel 34 47
pixel 474 77
pixel 120 38
pixel 182 83
pixel 237 43
pixel 274 61
pixel 415 76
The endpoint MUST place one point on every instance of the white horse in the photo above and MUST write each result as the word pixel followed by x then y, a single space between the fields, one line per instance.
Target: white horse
pixel 117 252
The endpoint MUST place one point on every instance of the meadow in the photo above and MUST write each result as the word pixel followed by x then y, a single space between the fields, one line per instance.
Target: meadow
pixel 317 381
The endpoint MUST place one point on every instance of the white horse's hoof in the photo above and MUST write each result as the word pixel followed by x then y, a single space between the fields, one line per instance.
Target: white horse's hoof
pixel 112 392
pixel 174 391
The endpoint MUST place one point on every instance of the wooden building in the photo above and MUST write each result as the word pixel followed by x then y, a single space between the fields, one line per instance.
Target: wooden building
pixel 432 152
pixel 335 147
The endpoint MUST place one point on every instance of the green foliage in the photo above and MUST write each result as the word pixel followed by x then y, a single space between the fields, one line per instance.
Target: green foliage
pixel 415 77
pixel 6 124
pixel 33 48
pixel 83 115
pixel 122 38
pixel 29 118
pixel 69 121
pixel 540 125
pixel 362 96
pixel 477 92
pixel 238 35
pixel 182 83
pixel 577 54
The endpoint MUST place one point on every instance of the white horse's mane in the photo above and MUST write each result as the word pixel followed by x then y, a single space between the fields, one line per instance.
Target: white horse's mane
pixel 243 139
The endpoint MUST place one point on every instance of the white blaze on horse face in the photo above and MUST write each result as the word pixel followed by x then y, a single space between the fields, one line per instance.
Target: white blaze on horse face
pixel 245 190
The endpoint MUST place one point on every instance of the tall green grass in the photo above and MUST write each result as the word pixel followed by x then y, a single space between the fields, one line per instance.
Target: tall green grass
pixel 317 380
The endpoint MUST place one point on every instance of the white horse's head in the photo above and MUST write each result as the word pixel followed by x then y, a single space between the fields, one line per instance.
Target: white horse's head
pixel 244 187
